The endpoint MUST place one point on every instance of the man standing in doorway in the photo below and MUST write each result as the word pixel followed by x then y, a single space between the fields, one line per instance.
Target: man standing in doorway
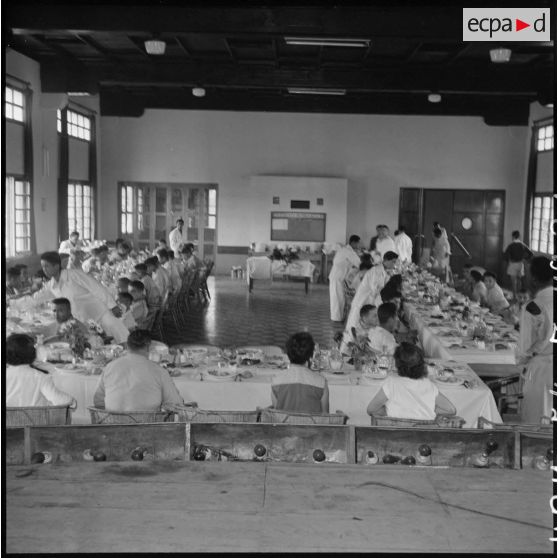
pixel 345 258
pixel 403 245
pixel 176 240
pixel 384 243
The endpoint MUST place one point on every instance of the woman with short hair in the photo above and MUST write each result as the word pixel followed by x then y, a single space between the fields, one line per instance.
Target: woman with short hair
pixel 27 385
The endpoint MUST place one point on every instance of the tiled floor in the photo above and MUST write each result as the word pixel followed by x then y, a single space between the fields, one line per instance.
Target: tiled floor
pixel 269 315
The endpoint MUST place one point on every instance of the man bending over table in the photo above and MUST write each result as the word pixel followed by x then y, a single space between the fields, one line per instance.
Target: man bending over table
pixel 88 298
pixel 134 383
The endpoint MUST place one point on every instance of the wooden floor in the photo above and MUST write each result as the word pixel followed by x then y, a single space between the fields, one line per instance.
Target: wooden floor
pixel 166 506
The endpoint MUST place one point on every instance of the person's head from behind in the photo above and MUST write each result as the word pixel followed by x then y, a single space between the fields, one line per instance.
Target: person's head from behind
pixel 354 241
pixel 141 269
pixel 125 300
pixel 395 282
pixel 401 229
pixel 151 264
pixel 62 309
pixel 476 276
pixel 300 347
pixel 542 274
pixel 366 262
pixel 139 341
pixel 170 254
pixel 437 233
pixel 369 315
pixel 389 294
pixel 516 235
pixel 489 280
pixel 13 277
pixel 137 290
pixel 523 296
pixel 390 259
pixel 163 255
pixel 74 237
pixel 51 264
pixel 123 249
pixel 118 242
pixel 123 284
pixel 409 361
pixel 387 316
pixel 20 349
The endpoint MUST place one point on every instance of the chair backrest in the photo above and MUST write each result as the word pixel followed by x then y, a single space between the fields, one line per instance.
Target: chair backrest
pixel 281 417
pixel 187 413
pixel 33 416
pixel 102 416
pixel 439 422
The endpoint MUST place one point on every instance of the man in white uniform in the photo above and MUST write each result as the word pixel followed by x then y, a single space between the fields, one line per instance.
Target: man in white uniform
pixel 74 248
pixel 372 283
pixel 535 347
pixel 88 298
pixel 403 246
pixel 176 239
pixel 344 260
pixel 384 243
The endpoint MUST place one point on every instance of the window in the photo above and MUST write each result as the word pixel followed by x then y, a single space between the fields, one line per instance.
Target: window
pixel 545 138
pixel 78 125
pixel 18 216
pixel 542 238
pixel 14 107
pixel 127 209
pixel 211 208
pixel 81 209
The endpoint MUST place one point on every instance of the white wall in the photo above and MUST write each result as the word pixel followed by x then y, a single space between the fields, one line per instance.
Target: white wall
pixel 377 154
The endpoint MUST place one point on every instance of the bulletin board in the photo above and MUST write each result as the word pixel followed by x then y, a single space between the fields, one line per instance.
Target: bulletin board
pixel 298 226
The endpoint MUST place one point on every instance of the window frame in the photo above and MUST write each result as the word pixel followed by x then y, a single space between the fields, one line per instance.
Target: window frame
pixel 545 128
pixel 71 124
pixel 13 105
pixel 92 209
pixel 23 179
pixel 535 243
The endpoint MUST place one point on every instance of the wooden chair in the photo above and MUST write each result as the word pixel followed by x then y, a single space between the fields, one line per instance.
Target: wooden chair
pixel 204 290
pixel 181 302
pixel 102 416
pixel 157 327
pixel 439 422
pixel 276 416
pixel 508 391
pixel 191 413
pixel 34 416
pixel 349 295
pixel 544 426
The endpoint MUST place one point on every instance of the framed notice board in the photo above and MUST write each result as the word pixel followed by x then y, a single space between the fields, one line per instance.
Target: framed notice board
pixel 298 226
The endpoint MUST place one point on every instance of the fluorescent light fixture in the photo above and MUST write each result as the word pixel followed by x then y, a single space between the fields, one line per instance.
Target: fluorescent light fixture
pixel 78 94
pixel 198 92
pixel 154 46
pixel 500 55
pixel 315 91
pixel 434 97
pixel 333 42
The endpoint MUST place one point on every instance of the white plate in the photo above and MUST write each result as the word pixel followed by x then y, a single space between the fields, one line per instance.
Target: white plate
pixel 214 378
pixel 58 345
pixel 453 381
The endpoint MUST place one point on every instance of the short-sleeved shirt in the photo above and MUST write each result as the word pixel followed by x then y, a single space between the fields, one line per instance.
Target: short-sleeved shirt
pixel 299 390
pixel 495 299
pixel 381 339
pixel 409 398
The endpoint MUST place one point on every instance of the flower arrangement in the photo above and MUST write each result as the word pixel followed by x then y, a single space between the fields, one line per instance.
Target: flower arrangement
pixel 288 255
pixel 97 332
pixel 73 334
pixel 358 347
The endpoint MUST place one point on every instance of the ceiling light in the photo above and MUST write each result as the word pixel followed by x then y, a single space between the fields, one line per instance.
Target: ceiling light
pixel 500 55
pixel 198 92
pixel 316 41
pixel 434 97
pixel 315 91
pixel 154 46
pixel 78 94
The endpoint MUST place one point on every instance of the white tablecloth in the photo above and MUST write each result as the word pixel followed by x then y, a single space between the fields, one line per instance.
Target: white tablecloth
pixel 346 393
pixel 261 267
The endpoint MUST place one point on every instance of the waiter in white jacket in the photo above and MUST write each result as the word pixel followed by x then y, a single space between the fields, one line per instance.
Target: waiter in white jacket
pixel 88 298
pixel 344 260
pixel 403 245
pixel 368 291
pixel 535 347
pixel 176 240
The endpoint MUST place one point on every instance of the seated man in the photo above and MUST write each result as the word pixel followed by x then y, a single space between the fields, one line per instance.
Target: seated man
pixel 161 245
pixel 153 297
pixel 160 276
pixel 170 266
pixel 26 384
pixel 25 279
pixel 381 337
pixel 92 263
pixel 134 383
pixel 73 247
pixel 495 299
pixel 368 320
pixel 299 389
pixel 468 283
pixel 479 288
pixel 62 309
pixel 139 309
pixel 191 262
pixel 125 301
pixel 38 280
pixel 13 282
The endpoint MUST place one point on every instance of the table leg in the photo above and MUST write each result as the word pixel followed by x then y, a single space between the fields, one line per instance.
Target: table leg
pixel 250 284
pixel 306 281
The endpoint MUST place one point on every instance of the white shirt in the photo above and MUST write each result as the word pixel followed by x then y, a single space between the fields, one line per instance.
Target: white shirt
pixel 535 331
pixel 67 247
pixel 175 240
pixel 384 245
pixel 134 383
pixel 408 398
pixel 404 247
pixel 162 279
pixel 345 258
pixel 495 299
pixel 27 387
pixel 89 299
pixel 381 338
pixel 176 282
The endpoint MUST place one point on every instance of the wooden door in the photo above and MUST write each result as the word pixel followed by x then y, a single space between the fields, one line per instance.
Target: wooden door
pixel 410 207
pixel 437 207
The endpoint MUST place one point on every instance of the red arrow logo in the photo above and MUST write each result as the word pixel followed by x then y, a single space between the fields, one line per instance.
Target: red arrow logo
pixel 519 25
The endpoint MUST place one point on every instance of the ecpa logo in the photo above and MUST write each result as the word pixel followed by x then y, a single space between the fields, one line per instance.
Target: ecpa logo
pixel 506 24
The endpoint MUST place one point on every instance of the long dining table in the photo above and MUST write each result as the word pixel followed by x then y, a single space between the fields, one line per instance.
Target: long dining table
pixel 349 391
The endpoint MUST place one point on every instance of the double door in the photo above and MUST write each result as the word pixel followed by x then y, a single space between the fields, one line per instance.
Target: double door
pixel 148 212
pixel 473 219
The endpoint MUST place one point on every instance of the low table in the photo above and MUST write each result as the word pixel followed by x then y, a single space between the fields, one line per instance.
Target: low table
pixel 261 267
